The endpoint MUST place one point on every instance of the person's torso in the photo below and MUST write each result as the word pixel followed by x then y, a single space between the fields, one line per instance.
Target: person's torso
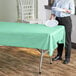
pixel 62 4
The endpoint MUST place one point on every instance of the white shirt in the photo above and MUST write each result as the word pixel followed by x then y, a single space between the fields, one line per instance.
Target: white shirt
pixel 68 4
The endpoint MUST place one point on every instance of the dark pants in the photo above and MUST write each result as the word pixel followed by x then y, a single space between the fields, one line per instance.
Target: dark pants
pixel 67 23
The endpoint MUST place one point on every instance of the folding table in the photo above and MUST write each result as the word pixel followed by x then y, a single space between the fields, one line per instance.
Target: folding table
pixel 36 36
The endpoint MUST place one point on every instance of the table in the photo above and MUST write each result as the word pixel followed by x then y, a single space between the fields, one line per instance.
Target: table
pixel 32 36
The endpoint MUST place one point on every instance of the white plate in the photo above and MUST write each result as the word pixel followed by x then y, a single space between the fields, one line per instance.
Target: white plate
pixel 57 9
pixel 51 23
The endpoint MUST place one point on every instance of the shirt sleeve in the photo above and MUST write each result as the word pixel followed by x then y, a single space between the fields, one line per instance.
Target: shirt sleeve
pixel 72 6
pixel 52 11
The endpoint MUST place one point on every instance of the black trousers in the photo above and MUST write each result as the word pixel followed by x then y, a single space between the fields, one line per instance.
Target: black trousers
pixel 67 23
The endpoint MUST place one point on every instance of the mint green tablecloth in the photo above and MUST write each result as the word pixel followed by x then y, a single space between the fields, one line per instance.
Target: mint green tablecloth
pixel 31 35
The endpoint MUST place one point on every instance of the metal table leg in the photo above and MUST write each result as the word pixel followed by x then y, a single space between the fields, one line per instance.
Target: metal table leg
pixel 41 58
pixel 50 60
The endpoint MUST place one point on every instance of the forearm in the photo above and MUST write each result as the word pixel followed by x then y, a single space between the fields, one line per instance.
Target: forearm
pixel 70 11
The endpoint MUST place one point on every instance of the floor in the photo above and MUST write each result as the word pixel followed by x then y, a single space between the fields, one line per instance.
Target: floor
pixel 16 61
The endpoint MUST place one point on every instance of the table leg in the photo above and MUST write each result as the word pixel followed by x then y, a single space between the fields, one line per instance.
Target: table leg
pixel 50 60
pixel 41 58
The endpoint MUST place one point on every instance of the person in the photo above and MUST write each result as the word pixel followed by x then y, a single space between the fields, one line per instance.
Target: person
pixel 64 19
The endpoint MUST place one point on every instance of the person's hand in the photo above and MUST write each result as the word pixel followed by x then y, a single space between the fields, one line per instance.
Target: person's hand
pixel 66 10
pixel 52 16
